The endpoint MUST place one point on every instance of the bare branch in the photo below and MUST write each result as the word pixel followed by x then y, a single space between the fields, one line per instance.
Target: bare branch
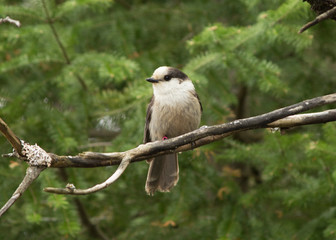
pixel 11 137
pixel 283 118
pixel 288 122
pixel 305 119
pixel 31 174
pixel 9 20
pixel 70 189
pixel 328 14
pixel 201 137
pixel 37 158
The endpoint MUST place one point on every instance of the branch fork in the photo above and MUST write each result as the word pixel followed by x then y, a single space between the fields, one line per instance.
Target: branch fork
pixel 71 189
pixel 36 156
pixel 38 159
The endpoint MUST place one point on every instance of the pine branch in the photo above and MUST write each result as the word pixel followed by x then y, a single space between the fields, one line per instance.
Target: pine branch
pixel 60 44
pixel 93 229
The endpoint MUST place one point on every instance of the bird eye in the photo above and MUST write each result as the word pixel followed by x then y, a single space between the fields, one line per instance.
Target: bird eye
pixel 167 77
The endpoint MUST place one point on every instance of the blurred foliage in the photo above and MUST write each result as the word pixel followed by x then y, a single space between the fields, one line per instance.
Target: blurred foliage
pixel 79 65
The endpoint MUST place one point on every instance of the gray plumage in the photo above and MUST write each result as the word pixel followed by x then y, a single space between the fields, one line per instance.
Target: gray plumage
pixel 174 109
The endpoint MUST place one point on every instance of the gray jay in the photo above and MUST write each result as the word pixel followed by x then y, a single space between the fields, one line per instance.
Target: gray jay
pixel 174 109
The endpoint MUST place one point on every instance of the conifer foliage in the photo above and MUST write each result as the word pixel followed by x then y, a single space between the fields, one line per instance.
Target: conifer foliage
pixel 72 79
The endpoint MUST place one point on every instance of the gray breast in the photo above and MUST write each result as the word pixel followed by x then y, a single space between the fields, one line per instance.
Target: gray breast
pixel 174 117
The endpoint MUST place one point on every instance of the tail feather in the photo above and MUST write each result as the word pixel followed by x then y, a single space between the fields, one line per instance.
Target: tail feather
pixel 163 174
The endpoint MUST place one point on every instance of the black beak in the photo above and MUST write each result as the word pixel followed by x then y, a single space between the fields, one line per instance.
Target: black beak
pixel 152 80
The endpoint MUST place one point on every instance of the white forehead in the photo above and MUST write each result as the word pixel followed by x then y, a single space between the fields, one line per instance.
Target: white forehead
pixel 160 72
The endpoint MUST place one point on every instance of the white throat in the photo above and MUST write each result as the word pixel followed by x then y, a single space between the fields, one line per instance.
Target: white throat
pixel 172 88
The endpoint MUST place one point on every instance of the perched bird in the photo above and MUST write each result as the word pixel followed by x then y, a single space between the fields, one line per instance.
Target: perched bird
pixel 174 109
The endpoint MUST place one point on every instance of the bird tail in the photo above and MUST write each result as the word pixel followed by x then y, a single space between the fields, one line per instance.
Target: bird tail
pixel 163 174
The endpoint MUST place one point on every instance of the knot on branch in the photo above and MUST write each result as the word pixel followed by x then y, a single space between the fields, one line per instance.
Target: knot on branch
pixel 36 156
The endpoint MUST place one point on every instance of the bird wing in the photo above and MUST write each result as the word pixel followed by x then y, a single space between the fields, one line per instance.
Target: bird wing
pixel 199 101
pixel 147 137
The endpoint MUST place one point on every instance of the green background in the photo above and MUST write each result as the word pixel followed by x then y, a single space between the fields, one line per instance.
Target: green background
pixel 245 58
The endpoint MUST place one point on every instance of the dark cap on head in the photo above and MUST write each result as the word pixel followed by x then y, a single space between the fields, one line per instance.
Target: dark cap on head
pixel 176 73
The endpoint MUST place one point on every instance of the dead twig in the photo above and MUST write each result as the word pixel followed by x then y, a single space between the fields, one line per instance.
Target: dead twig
pixel 9 20
pixel 31 174
pixel 10 136
pixel 36 157
pixel 326 15
pixel 70 188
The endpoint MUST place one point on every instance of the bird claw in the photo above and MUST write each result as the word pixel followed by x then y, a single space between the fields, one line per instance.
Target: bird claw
pixel 193 145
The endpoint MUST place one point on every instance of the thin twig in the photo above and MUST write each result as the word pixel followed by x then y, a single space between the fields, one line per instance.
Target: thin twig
pixel 328 14
pixel 70 189
pixel 11 137
pixel 60 44
pixel 31 174
pixel 65 54
pixel 24 151
pixel 305 119
pixel 9 20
